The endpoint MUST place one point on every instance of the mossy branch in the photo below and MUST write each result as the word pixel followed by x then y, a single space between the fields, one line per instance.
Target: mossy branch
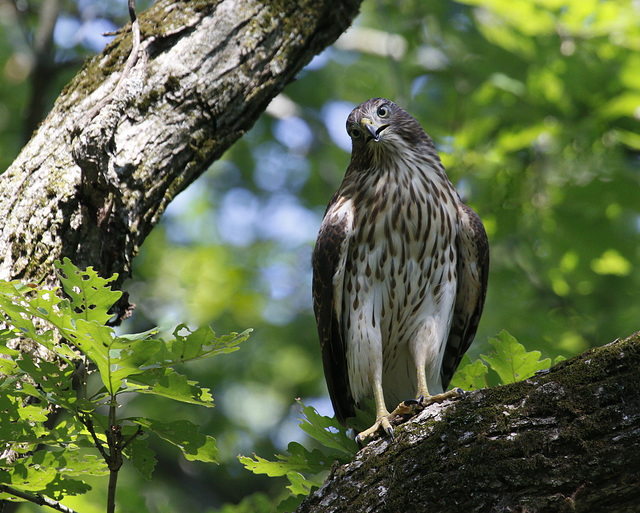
pixel 567 439
pixel 91 188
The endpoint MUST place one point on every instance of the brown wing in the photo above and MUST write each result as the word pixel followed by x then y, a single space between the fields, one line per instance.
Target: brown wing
pixel 328 263
pixel 473 273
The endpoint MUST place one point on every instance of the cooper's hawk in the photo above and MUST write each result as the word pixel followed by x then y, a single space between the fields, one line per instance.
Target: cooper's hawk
pixel 399 270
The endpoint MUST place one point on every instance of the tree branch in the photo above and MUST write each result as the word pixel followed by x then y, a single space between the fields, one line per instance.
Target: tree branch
pixel 40 500
pixel 567 439
pixel 207 70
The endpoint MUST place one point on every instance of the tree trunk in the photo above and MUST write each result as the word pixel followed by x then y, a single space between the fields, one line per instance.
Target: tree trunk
pixel 97 176
pixel 567 439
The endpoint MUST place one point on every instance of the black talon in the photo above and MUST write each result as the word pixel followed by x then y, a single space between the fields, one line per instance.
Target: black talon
pixel 389 432
pixel 461 393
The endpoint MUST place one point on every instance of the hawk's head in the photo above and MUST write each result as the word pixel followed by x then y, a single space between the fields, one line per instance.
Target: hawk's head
pixel 380 126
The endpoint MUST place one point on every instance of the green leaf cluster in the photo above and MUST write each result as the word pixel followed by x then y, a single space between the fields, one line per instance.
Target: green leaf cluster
pixel 53 408
pixel 306 469
pixel 507 363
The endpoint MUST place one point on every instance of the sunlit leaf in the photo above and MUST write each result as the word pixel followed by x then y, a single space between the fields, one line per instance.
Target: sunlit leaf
pixel 327 431
pixel 91 296
pixel 470 376
pixel 54 381
pixel 166 382
pixel 303 468
pixel 191 345
pixel 301 485
pixel 50 472
pixel 511 360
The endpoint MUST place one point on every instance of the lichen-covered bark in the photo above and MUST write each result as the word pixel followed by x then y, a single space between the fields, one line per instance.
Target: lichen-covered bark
pixel 91 189
pixel 565 440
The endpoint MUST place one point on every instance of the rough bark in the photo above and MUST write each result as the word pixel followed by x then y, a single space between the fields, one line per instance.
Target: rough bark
pixel 567 439
pixel 91 187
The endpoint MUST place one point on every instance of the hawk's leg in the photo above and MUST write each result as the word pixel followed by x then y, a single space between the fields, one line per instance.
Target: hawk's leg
pixel 383 417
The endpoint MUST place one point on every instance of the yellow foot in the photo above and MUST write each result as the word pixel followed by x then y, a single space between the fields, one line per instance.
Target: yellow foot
pixel 383 423
pixel 405 408
pixel 404 411
pixel 455 393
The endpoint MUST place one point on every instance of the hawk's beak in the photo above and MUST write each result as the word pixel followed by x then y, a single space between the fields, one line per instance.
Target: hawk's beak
pixel 372 128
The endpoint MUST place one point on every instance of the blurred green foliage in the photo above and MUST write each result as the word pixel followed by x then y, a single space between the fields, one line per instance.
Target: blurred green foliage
pixel 534 106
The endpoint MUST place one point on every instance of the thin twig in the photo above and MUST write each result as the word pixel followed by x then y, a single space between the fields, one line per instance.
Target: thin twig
pixel 88 423
pixel 132 438
pixel 40 500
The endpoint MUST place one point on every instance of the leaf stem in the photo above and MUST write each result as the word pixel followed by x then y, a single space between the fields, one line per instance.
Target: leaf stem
pixel 132 437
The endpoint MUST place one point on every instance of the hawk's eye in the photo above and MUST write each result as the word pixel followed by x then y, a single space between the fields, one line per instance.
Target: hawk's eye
pixel 354 133
pixel 383 111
